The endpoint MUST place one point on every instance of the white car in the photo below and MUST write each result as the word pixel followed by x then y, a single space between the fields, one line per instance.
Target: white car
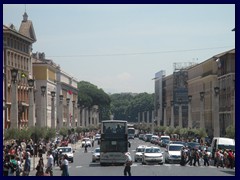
pixel 96 154
pixel 152 155
pixel 138 153
pixel 86 141
pixel 68 151
pixel 173 153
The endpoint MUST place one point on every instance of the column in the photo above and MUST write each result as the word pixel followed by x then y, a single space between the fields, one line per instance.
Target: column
pixel 79 115
pixel 180 113
pixel 91 115
pixel 159 114
pixel 83 117
pixel 216 127
pixel 73 115
pixel 43 119
pixel 87 117
pixel 234 99
pixel 14 100
pixel 67 114
pixel 152 122
pixel 31 114
pixel 60 115
pixel 189 112
pixel 148 118
pixel 139 118
pixel 165 114
pixel 143 117
pixel 202 121
pixel 172 114
pixel 53 120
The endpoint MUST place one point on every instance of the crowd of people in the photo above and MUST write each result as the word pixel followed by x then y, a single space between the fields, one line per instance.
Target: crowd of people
pixel 221 158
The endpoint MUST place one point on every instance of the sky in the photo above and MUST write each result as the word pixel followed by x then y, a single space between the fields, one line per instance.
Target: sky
pixel 119 48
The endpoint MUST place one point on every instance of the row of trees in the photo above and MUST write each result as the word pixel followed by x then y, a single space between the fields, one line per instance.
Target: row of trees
pixel 184 133
pixel 36 133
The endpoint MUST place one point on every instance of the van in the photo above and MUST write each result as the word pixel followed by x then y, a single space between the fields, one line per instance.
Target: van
pixel 222 143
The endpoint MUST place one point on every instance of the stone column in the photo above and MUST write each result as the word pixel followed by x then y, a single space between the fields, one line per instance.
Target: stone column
pixel 148 118
pixel 60 115
pixel 143 117
pixel 91 116
pixel 53 120
pixel 73 115
pixel 14 101
pixel 180 113
pixel 234 99
pixel 83 117
pixel 31 114
pixel 189 112
pixel 202 121
pixel 152 122
pixel 216 127
pixel 87 117
pixel 43 119
pixel 172 114
pixel 165 114
pixel 68 116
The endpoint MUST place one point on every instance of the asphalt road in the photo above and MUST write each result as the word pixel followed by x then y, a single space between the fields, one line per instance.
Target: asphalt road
pixel 83 166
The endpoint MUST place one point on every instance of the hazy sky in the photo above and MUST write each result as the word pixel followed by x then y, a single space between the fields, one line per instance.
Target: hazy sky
pixel 119 48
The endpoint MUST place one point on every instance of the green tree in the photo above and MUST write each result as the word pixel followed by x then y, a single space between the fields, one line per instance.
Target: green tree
pixel 50 134
pixel 230 132
pixel 63 131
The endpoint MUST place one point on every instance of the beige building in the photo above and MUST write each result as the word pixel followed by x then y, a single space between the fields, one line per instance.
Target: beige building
pixel 17 55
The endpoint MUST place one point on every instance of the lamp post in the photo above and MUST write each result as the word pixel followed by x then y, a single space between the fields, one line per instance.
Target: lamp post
pixel 73 116
pixel 31 115
pixel 165 114
pixel 68 117
pixel 172 114
pixel 43 120
pixel 14 100
pixel 202 121
pixel 60 114
pixel 53 121
pixel 189 111
pixel 216 113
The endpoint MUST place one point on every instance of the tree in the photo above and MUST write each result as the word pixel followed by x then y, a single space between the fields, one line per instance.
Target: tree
pixel 230 132
pixel 63 131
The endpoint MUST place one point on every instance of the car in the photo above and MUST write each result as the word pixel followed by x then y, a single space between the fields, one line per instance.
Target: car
pixel 154 139
pixel 138 153
pixel 193 145
pixel 178 142
pixel 152 155
pixel 86 141
pixel 96 154
pixel 173 153
pixel 97 137
pixel 147 137
pixel 68 151
pixel 164 142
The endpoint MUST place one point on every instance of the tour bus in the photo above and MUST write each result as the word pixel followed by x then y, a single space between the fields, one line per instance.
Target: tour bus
pixel 114 142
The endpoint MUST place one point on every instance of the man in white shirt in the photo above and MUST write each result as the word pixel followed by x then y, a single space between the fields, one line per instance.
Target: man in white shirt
pixel 127 169
pixel 49 163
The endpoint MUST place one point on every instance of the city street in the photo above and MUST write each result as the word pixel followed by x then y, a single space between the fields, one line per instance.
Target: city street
pixel 83 166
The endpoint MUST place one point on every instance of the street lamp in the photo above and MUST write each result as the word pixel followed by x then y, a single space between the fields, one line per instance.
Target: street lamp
pixel 202 121
pixel 14 100
pixel 53 93
pixel 31 119
pixel 189 111
pixel 43 119
pixel 68 118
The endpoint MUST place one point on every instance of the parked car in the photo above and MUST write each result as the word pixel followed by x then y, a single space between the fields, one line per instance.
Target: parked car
pixel 193 145
pixel 164 142
pixel 154 139
pixel 96 154
pixel 152 155
pixel 147 137
pixel 86 141
pixel 138 153
pixel 178 142
pixel 68 151
pixel 173 153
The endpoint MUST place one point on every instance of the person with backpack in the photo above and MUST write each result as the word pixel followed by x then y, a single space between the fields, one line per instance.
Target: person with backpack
pixel 127 169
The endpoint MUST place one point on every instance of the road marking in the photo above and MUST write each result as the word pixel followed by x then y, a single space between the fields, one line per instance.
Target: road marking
pixel 78 166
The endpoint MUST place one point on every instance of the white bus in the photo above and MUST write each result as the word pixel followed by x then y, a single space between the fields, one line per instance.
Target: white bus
pixel 114 142
pixel 131 133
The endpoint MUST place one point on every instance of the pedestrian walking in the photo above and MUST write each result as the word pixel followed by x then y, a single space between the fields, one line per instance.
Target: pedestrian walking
pixel 231 159
pixel 205 158
pixel 49 164
pixel 64 166
pixel 27 165
pixel 127 169
pixel 40 167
